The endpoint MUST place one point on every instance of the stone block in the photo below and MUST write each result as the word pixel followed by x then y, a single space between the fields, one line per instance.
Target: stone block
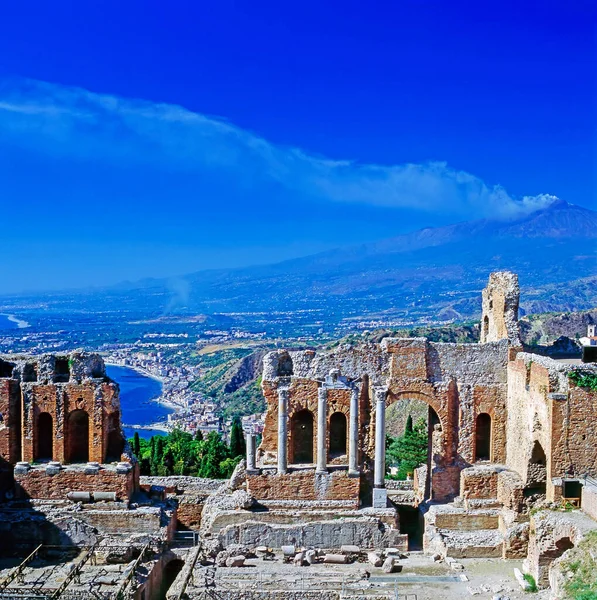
pixel 380 498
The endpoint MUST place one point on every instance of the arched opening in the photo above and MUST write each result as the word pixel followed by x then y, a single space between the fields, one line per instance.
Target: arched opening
pixel 115 440
pixel 78 437
pixel 302 437
pixel 483 437
pixel 407 437
pixel 338 430
pixel 485 327
pixel 171 571
pixel 45 437
pixel 285 366
pixel 536 474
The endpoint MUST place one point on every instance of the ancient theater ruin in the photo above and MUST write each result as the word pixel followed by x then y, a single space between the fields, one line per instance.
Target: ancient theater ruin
pixel 511 474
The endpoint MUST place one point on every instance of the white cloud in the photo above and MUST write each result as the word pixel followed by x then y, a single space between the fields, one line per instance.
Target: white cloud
pixel 74 122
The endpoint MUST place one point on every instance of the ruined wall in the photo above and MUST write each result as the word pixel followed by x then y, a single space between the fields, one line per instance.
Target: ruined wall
pixel 500 309
pixel 545 408
pixel 10 421
pixel 574 433
pixel 59 407
pixel 37 483
pixel 528 413
pixel 305 485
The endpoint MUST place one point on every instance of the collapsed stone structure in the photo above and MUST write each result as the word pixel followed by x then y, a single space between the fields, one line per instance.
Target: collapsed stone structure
pixel 507 430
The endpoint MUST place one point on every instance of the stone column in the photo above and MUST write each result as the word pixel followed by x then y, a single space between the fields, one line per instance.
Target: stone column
pixel 380 438
pixel 353 433
pixel 250 443
pixel 282 431
pixel 322 422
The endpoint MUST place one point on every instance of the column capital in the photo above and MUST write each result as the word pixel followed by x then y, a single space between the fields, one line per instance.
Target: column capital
pixel 380 393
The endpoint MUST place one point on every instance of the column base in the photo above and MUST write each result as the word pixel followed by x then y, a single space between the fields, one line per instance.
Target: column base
pixel 253 471
pixel 354 474
pixel 281 472
pixel 321 471
pixel 380 498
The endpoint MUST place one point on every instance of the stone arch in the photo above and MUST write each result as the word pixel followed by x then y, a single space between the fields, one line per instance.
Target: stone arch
pixel 338 434
pixel 115 442
pixel 485 327
pixel 301 431
pixel 285 365
pixel 483 436
pixel 536 471
pixel 77 449
pixel 439 483
pixel 45 437
pixel 171 570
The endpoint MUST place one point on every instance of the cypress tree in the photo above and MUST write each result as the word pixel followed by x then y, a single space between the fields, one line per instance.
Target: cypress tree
pixel 198 435
pixel 237 439
pixel 409 424
pixel 136 444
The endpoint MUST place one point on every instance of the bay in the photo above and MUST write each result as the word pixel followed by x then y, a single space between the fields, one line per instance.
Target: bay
pixel 137 400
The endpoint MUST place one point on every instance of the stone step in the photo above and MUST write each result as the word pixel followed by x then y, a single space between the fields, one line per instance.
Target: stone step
pixel 484 503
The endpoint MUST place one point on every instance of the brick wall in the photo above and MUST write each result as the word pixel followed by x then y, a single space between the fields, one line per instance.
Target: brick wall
pixel 305 485
pixel 37 484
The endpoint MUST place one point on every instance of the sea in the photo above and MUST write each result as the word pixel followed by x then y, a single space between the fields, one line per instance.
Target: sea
pixel 137 400
pixel 5 323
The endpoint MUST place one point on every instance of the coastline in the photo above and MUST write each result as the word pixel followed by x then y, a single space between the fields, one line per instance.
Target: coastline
pixel 158 399
pixel 20 323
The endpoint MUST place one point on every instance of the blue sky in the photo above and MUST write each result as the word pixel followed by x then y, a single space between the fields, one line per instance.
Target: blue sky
pixel 153 139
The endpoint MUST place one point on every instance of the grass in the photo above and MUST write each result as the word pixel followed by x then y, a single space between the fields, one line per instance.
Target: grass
pixel 532 583
pixel 582 563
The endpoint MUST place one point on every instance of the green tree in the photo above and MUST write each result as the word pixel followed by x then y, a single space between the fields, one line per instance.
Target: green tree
pixel 215 453
pixel 409 450
pixel 237 439
pixel 157 456
pixel 409 424
pixel 136 445
pixel 198 435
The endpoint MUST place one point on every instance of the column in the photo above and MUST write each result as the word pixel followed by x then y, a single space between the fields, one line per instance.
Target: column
pixel 322 422
pixel 380 438
pixel 250 443
pixel 353 433
pixel 282 431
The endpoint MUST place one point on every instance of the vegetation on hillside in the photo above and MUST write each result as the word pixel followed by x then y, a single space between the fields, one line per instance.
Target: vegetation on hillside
pixel 179 453
pixel 580 569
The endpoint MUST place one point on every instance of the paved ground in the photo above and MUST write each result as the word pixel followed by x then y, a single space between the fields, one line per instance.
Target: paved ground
pixel 420 576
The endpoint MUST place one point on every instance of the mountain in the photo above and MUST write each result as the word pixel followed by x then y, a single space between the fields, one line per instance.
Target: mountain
pixel 428 275
pixel 434 271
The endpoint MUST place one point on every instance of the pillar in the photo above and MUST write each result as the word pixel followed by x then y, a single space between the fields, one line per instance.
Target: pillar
pixel 282 431
pixel 322 421
pixel 380 438
pixel 250 443
pixel 353 434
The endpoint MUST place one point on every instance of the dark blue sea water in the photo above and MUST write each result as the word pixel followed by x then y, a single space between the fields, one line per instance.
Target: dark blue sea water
pixel 6 324
pixel 137 392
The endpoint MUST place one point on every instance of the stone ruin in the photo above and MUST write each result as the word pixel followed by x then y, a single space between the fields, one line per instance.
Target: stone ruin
pixel 511 438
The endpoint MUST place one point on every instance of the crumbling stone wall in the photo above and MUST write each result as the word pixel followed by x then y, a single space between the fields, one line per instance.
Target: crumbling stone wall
pixel 547 412
pixel 70 393
pixel 305 485
pixel 37 483
pixel 500 309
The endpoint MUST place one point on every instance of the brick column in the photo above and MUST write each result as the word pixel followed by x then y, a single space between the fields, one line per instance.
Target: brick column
pixel 322 420
pixel 282 431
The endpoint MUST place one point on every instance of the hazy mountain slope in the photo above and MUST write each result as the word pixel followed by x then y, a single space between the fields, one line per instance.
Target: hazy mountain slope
pixel 432 273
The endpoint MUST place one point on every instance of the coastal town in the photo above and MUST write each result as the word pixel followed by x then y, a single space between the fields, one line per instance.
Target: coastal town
pixel 193 410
